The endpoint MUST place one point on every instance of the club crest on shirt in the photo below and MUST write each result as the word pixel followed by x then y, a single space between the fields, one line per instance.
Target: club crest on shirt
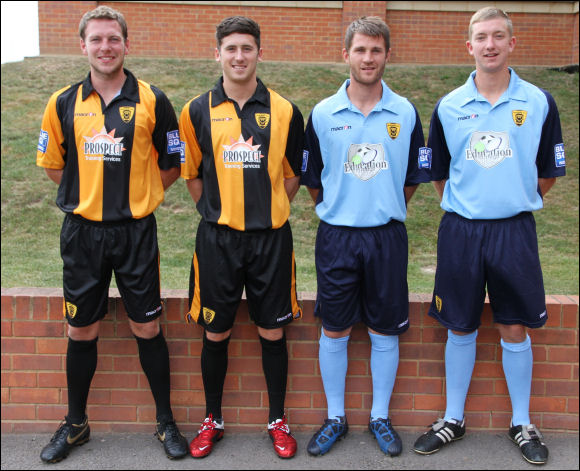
pixel 519 117
pixel 393 129
pixel 126 113
pixel 488 148
pixel 262 119
pixel 364 161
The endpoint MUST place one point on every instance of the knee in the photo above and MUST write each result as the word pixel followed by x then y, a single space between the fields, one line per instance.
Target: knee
pixel 218 336
pixel 147 330
pixel 512 333
pixel 87 333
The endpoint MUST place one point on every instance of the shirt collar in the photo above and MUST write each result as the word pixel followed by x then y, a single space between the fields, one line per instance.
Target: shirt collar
pixel 515 91
pixel 130 89
pixel 343 101
pixel 218 94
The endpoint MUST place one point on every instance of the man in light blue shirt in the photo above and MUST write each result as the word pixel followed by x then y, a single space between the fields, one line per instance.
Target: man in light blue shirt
pixel 363 160
pixel 496 150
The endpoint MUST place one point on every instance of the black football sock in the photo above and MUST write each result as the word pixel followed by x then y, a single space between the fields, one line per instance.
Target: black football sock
pixel 81 364
pixel 214 365
pixel 275 365
pixel 154 357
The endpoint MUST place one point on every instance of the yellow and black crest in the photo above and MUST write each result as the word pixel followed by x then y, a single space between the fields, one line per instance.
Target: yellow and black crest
pixel 262 119
pixel 393 130
pixel 71 310
pixel 126 113
pixel 519 116
pixel 208 315
pixel 438 303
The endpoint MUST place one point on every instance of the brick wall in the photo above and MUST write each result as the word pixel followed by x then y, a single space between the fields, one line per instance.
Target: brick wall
pixel 311 34
pixel 34 382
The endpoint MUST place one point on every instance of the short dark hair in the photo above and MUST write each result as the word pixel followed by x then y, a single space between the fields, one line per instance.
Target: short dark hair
pixel 103 13
pixel 237 24
pixel 370 26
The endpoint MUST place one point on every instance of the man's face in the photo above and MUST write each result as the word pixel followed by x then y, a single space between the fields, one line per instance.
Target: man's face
pixel 239 56
pixel 367 58
pixel 105 47
pixel 491 44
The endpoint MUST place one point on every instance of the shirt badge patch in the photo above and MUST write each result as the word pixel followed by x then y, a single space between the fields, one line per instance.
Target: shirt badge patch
pixel 425 157
pixel 182 151
pixel 42 141
pixel 304 161
pixel 127 113
pixel 173 142
pixel 365 160
pixel 262 119
pixel 393 130
pixel 488 148
pixel 519 116
pixel 559 155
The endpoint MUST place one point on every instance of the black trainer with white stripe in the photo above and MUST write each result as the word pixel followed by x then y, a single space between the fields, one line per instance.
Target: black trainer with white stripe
pixel 441 433
pixel 529 439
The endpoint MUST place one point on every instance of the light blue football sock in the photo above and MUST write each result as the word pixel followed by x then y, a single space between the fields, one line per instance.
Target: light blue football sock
pixel 517 360
pixel 459 363
pixel 333 359
pixel 384 363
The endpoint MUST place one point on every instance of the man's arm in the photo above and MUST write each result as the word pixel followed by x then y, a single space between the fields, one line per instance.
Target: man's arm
pixel 545 185
pixel 439 186
pixel 409 192
pixel 169 176
pixel 291 185
pixel 195 187
pixel 314 193
pixel 54 175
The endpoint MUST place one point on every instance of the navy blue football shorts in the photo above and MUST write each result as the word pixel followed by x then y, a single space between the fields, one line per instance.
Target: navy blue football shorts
pixel 91 251
pixel 226 261
pixel 362 277
pixel 501 254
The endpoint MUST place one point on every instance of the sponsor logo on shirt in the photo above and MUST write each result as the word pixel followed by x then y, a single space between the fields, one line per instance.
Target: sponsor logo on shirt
pixel 103 145
pixel 425 157
pixel 519 117
pixel 42 141
pixel 471 116
pixel 364 161
pixel 559 155
pixel 341 128
pixel 242 154
pixel 173 142
pixel 304 160
pixel 488 148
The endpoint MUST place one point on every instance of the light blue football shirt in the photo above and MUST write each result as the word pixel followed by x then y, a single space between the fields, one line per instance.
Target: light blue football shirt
pixel 361 164
pixel 493 155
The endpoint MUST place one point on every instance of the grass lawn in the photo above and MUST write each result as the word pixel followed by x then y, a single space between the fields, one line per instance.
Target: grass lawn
pixel 31 221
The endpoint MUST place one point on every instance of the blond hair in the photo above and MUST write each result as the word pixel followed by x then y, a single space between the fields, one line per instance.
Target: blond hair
pixel 490 13
pixel 103 13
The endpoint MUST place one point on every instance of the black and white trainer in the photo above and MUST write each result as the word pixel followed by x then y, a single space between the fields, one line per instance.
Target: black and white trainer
pixel 441 433
pixel 529 440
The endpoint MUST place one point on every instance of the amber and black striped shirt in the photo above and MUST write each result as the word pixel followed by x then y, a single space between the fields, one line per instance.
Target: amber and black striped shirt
pixel 111 155
pixel 242 156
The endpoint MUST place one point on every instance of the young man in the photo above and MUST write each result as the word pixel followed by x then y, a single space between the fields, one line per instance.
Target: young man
pixel 243 151
pixel 363 161
pixel 109 143
pixel 497 148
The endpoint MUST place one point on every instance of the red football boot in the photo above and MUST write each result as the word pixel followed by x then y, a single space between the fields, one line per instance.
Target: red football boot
pixel 284 442
pixel 210 432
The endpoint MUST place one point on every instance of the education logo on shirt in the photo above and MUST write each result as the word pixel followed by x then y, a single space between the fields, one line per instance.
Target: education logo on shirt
pixel 519 116
pixel 103 145
pixel 393 129
pixel 365 160
pixel 488 148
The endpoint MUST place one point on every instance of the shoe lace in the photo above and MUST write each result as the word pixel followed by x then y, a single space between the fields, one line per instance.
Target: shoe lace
pixel 171 431
pixel 280 426
pixel 208 424
pixel 531 432
pixel 62 432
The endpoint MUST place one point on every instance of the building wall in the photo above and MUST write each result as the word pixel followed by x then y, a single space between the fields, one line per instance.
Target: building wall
pixel 34 393
pixel 422 32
